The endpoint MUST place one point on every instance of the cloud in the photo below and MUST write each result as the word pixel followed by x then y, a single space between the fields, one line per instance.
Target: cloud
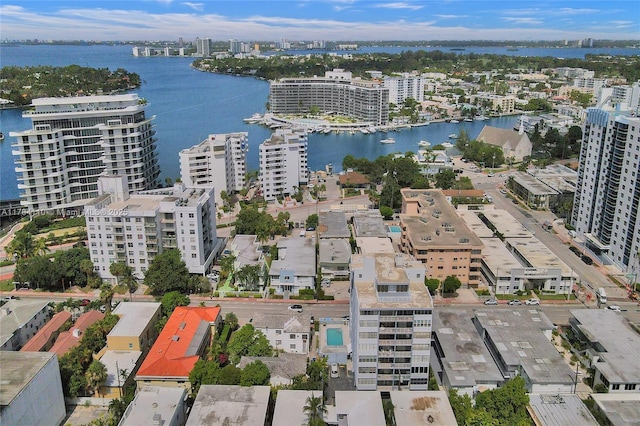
pixel 399 5
pixel 195 6
pixel 451 16
pixel 572 11
pixel 523 21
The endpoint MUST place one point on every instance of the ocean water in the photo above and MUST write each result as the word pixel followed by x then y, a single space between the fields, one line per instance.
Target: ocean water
pixel 189 105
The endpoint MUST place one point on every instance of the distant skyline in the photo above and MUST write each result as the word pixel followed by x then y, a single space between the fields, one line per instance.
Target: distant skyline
pixel 319 20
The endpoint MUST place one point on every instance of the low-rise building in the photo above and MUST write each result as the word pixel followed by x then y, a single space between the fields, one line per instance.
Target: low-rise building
pixel 531 191
pixel 282 368
pixel 513 143
pixel 247 252
pixel 353 407
pixel 620 409
pixel 295 268
pixel 121 369
pixel 71 338
pixel 422 407
pixel 44 339
pixel 334 257
pixel 368 246
pixel 20 320
pixel 230 405
pixel 500 104
pixel 289 409
pixel 353 179
pixel 184 340
pixel 333 224
pixel 156 405
pixel 287 331
pixel 31 391
pixel 556 410
pixel 136 328
pixel 369 223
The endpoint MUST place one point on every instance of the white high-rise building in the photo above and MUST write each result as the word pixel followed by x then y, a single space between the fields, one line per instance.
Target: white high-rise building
pixel 391 313
pixel 607 198
pixel 203 47
pixel 404 86
pixel 283 163
pixel 134 228
pixel 75 140
pixel 218 161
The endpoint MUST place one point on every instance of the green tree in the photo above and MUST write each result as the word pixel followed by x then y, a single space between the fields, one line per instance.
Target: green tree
pixel 312 220
pixel 255 374
pixel 315 411
pixel 39 272
pixel 445 179
pixel 119 270
pixel 451 284
pixel 230 375
pixel 506 404
pixel 249 277
pixel 480 418
pixel 171 300
pixel 69 262
pixel 432 284
pixel 231 320
pixel 96 375
pixel 248 341
pixel 226 265
pixel 204 373
pixel 461 405
pixel 168 272
pixel 386 212
pixel 21 246
pixel 106 296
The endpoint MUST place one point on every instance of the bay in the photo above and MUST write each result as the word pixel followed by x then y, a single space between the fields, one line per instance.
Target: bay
pixel 189 105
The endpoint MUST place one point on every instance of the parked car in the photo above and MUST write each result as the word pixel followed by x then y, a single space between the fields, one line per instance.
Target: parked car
pixel 490 175
pixel 312 320
pixel 503 191
pixel 515 302
pixel 296 308
pixel 614 308
pixel 532 302
pixel 586 259
pixel 85 302
pixel 335 372
pixel 575 250
pixel 491 302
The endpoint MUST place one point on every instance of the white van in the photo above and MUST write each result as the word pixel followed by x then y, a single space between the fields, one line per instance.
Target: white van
pixel 303 233
pixel 602 295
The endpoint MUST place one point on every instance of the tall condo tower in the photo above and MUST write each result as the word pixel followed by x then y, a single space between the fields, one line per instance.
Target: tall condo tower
pixel 283 163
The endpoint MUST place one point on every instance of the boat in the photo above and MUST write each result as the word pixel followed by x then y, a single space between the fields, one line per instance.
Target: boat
pixel 454 121
pixel 1 136
pixel 447 144
pixel 364 131
pixel 481 118
pixel 372 129
pixel 253 119
pixel 327 130
pixel 453 136
pixel 424 143
pixel 468 120
pixel 388 140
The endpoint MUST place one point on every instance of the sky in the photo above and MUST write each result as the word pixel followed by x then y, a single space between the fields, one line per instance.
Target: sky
pixel 329 20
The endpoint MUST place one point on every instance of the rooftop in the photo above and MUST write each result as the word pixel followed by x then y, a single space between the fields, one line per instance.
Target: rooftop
pixel 176 349
pixel 334 251
pixel 363 408
pixel 619 359
pixel 497 257
pixel 560 410
pixel 476 224
pixel 498 136
pixel 369 224
pixel 506 224
pixel 295 254
pixel 466 360
pixel 353 178
pixel 152 402
pixel 42 337
pixel 537 254
pixel 289 321
pixel 246 248
pixel 71 338
pixel 333 224
pixel 419 407
pixel 134 318
pixel 532 185
pixel 285 365
pixel 17 369
pixel 371 245
pixel 15 314
pixel 116 362
pixel 622 409
pixel 289 406
pixel 230 405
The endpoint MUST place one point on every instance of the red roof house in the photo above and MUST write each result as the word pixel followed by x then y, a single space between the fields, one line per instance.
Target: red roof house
pixel 183 341
pixel 46 336
pixel 69 339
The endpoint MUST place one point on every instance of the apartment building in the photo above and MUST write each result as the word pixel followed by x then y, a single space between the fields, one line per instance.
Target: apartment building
pixel 73 141
pixel 286 331
pixel 20 320
pixel 607 198
pixel 593 85
pixel 434 234
pixel 283 163
pixel 134 228
pixel 404 86
pixel 391 312
pixel 218 161
pixel 136 328
pixel 502 104
pixel 362 100
pixel 295 268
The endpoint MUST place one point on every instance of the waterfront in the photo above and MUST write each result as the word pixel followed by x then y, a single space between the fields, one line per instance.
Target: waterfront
pixel 189 105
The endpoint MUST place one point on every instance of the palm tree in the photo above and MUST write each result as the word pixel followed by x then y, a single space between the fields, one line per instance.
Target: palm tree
pixel 106 295
pixel 22 245
pixel 40 246
pixel 315 411
pixel 226 264
pixel 96 375
pixel 86 266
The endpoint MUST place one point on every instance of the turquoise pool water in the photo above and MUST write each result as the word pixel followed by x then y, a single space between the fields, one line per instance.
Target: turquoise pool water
pixel 394 228
pixel 334 337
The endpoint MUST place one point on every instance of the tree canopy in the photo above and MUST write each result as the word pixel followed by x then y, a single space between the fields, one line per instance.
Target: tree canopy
pixel 168 272
pixel 248 341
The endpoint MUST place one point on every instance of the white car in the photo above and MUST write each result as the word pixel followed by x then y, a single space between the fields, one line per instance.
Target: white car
pixel 532 302
pixel 335 372
pixel 614 308
pixel 296 308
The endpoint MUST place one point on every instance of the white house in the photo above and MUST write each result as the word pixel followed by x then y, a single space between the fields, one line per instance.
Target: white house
pixel 295 267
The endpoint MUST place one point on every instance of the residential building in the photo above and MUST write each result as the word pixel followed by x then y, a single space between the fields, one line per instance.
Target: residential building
pixel 156 405
pixel 611 346
pixel 20 320
pixel 369 223
pixel 282 368
pixel 136 328
pixel 554 410
pixel 295 267
pixel 75 140
pixel 184 340
pixel 520 343
pixel 71 338
pixel 287 331
pixel 620 409
pixel 422 407
pixel 462 361
pixel 352 407
pixel 283 163
pixel 593 85
pixel 514 144
pixel 134 228
pixel 391 311
pixel 203 47
pixel 31 391
pixel 333 225
pixel 434 234
pixel 404 86
pixel 230 405
pixel 121 369
pixel 531 191
pixel 352 179
pixel 605 208
pixel 44 339
pixel 289 406
pixel 500 104
pixel 248 252
pixel 571 73
pixel 334 257
pixel 218 161
pixel 364 101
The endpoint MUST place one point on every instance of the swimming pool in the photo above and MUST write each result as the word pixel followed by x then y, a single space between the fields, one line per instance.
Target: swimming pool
pixel 394 228
pixel 334 337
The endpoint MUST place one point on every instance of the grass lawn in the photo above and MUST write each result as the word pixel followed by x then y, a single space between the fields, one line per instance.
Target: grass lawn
pixel 6 285
pixel 556 297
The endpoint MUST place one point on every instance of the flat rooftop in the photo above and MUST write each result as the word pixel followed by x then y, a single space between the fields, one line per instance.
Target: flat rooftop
pixel 560 410
pixel 150 401
pixel 532 185
pixel 334 251
pixel 537 254
pixel 422 407
pixel 369 224
pixel 333 224
pixel 619 362
pixel 17 369
pixel 289 406
pixel 467 361
pixel 289 321
pixel 518 335
pixel 372 245
pixel 134 318
pixel 476 224
pixel 15 314
pixel 230 405
pixel 246 249
pixel 116 362
pixel 622 409
pixel 497 257
pixel 360 408
pixel 295 254
pixel 506 224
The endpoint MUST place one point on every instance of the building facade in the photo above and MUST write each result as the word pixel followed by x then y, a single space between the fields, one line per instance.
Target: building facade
pixel 404 86
pixel 391 313
pixel 218 161
pixel 283 164
pixel 607 199
pixel 20 320
pixel 134 228
pixel 365 101
pixel 75 140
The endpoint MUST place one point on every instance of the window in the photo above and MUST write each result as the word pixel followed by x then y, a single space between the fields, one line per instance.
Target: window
pixel 292 336
pixel 292 346
pixel 278 332
pixel 130 345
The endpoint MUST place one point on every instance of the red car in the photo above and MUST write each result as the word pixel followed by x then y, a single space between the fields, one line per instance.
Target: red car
pixel 85 302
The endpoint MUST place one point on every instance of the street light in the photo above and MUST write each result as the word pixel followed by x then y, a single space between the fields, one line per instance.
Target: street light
pixel 493 163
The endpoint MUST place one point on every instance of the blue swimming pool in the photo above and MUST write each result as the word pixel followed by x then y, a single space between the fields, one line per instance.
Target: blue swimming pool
pixel 334 337
pixel 394 228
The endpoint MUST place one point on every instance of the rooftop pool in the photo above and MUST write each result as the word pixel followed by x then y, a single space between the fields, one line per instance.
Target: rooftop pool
pixel 394 229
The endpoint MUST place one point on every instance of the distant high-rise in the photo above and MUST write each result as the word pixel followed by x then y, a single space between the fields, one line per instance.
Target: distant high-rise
pixel 235 46
pixel 75 140
pixel 404 86
pixel 283 163
pixel 203 47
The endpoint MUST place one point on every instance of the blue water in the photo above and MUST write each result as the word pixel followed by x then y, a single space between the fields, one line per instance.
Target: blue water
pixel 334 337
pixel 394 229
pixel 189 105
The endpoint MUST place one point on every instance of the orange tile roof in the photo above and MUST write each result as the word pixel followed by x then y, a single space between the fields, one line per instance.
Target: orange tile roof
pixel 67 340
pixel 353 178
pixel 42 337
pixel 173 355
